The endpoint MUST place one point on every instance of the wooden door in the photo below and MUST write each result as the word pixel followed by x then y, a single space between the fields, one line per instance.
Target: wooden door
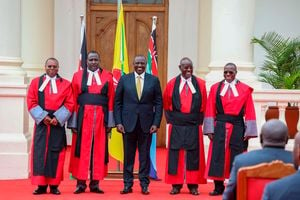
pixel 101 26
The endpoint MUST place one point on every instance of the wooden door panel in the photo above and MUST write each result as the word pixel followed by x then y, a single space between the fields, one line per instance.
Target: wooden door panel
pixel 103 36
pixel 138 27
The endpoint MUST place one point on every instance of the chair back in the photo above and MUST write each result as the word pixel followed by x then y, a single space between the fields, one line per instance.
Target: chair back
pixel 252 180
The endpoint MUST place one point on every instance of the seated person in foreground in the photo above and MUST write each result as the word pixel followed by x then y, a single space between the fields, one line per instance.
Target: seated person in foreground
pixel 287 187
pixel 273 138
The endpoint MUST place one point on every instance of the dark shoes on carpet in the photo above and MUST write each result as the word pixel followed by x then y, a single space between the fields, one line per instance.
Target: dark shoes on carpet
pixel 145 190
pixel 194 191
pixel 96 190
pixel 54 191
pixel 126 190
pixel 82 190
pixel 174 191
pixel 216 193
pixel 43 190
pixel 79 190
pixel 40 190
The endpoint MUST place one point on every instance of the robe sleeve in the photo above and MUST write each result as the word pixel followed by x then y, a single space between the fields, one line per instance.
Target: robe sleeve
pixel 65 111
pixel 167 96
pixel 250 119
pixel 37 113
pixel 111 97
pixel 210 112
pixel 72 122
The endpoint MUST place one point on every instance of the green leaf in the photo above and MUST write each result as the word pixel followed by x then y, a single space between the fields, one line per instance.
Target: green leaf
pixel 281 67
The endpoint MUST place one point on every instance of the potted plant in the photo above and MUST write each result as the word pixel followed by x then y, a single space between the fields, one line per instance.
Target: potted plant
pixel 281 69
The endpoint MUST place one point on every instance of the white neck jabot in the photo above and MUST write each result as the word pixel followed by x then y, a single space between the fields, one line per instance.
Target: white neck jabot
pixel 189 83
pixel 90 77
pixel 232 86
pixel 53 84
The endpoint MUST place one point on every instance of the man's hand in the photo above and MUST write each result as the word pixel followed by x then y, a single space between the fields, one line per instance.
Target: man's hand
pixel 153 129
pixel 54 121
pixel 74 130
pixel 246 138
pixel 107 129
pixel 210 136
pixel 120 128
pixel 47 120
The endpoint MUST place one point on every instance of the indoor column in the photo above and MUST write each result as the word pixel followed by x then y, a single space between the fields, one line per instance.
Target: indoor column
pixel 14 137
pixel 231 33
pixel 37 35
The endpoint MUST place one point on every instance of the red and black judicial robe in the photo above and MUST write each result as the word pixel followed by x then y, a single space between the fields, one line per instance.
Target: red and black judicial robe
pixel 49 142
pixel 230 119
pixel 184 114
pixel 93 112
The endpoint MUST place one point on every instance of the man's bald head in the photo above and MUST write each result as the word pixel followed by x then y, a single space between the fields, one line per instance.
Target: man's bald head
pixel 296 152
pixel 274 133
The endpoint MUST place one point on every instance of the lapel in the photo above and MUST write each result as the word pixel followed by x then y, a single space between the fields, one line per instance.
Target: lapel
pixel 145 86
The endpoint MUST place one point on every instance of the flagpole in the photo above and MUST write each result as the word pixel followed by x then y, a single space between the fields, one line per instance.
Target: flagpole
pixel 154 20
pixel 81 18
pixel 81 34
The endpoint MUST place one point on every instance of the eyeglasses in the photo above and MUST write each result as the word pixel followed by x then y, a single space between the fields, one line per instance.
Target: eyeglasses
pixel 228 72
pixel 52 66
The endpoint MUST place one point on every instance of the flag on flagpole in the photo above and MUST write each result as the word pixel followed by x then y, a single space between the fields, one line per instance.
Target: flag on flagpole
pixel 152 69
pixel 83 50
pixel 120 67
pixel 152 50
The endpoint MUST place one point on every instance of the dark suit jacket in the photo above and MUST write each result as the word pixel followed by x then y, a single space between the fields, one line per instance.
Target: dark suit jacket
pixel 285 188
pixel 255 157
pixel 128 107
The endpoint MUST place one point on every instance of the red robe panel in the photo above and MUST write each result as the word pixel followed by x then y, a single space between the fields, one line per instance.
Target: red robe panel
pixel 191 177
pixel 64 98
pixel 232 105
pixel 93 128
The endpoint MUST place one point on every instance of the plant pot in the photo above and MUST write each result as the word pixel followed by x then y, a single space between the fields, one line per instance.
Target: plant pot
pixel 272 113
pixel 292 118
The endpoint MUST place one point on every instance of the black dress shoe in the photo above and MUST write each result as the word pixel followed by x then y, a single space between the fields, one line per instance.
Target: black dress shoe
pixel 194 191
pixel 54 191
pixel 126 190
pixel 96 190
pixel 216 193
pixel 174 191
pixel 145 190
pixel 40 190
pixel 79 190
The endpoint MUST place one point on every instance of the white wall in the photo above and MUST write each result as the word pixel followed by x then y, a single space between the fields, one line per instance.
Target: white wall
pixel 67 34
pixel 183 33
pixel 275 15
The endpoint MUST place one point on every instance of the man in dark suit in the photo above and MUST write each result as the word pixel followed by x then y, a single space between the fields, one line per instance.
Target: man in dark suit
pixel 137 113
pixel 287 187
pixel 273 137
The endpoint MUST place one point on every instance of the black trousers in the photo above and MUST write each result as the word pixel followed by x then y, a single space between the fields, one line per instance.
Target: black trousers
pixel 131 141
